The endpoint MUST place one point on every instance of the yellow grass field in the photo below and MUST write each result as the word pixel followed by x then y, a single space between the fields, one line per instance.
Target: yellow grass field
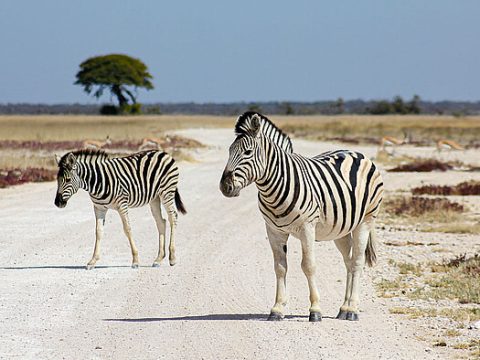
pixel 80 127
pixel 358 128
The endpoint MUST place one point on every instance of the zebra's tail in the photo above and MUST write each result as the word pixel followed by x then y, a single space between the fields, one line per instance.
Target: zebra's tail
pixel 179 203
pixel 370 251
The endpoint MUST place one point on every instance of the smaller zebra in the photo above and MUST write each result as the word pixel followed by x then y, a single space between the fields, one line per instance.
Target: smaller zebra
pixel 120 183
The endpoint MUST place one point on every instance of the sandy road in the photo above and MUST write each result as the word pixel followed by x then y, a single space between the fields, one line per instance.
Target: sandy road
pixel 211 305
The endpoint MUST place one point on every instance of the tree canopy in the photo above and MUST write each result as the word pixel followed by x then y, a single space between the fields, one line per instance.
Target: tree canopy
pixel 115 72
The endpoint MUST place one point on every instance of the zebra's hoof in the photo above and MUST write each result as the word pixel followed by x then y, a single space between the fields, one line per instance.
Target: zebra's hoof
pixel 342 315
pixel 315 317
pixel 351 316
pixel 172 262
pixel 275 316
pixel 89 266
pixel 134 266
pixel 155 264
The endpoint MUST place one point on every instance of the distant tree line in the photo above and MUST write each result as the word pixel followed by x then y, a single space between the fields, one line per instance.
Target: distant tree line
pixel 339 106
pixel 397 106
pixel 121 75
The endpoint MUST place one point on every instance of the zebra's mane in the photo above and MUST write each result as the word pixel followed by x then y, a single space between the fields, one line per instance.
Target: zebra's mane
pixel 85 152
pixel 269 130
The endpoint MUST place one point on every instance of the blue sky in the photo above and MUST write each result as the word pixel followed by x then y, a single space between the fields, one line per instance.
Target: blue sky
pixel 222 51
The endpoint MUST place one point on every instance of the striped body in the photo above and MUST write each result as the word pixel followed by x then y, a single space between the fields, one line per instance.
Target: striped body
pixel 336 190
pixel 332 196
pixel 120 183
pixel 133 181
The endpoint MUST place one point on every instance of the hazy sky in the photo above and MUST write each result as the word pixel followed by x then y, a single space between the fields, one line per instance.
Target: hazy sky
pixel 221 51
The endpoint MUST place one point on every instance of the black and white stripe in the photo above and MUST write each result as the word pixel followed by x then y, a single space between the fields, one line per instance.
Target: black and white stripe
pixel 333 193
pixel 120 183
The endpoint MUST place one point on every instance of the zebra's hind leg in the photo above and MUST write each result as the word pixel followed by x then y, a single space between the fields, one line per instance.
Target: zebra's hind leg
pixel 99 221
pixel 360 238
pixel 168 202
pixel 344 245
pixel 278 243
pixel 161 224
pixel 128 232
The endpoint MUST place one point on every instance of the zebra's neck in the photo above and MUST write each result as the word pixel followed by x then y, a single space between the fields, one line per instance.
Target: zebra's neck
pixel 91 171
pixel 278 188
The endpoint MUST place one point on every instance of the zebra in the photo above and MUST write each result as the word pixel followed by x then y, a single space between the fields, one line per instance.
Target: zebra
pixel 332 196
pixel 120 183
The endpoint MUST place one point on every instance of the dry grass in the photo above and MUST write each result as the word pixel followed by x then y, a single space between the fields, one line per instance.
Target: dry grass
pixel 350 128
pixel 409 243
pixel 78 128
pixel 420 208
pixel 457 314
pixel 392 288
pixel 452 333
pixel 23 154
pixel 474 347
pixel 468 265
pixel 27 159
pixel 455 228
pixel 464 188
pixel 21 176
pixel 423 165
pixel 407 268
pixel 464 130
pixel 459 280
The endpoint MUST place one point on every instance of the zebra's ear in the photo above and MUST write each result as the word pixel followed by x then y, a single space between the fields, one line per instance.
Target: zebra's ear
pixel 57 159
pixel 255 125
pixel 71 160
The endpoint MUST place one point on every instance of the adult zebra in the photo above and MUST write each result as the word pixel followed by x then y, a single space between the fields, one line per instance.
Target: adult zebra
pixel 332 196
pixel 148 177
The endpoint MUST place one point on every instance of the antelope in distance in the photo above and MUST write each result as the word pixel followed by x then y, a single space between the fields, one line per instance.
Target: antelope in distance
pixel 120 183
pixel 95 144
pixel 151 143
pixel 332 196
pixel 393 142
pixel 445 144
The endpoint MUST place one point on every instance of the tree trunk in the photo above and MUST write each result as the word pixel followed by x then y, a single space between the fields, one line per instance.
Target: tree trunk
pixel 117 91
pixel 129 93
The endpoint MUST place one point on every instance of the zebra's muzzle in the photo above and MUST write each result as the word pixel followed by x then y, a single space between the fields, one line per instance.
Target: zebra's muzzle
pixel 227 186
pixel 59 202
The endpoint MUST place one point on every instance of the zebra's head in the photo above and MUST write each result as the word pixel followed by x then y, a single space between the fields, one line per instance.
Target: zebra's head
pixel 246 162
pixel 68 181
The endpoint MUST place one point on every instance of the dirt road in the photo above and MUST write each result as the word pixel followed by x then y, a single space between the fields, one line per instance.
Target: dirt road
pixel 211 305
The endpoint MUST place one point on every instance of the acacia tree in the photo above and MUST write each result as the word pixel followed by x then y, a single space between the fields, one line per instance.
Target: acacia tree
pixel 116 73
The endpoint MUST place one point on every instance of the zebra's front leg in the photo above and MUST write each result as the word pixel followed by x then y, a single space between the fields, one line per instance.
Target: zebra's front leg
pixel 278 242
pixel 344 245
pixel 128 232
pixel 99 222
pixel 160 221
pixel 307 238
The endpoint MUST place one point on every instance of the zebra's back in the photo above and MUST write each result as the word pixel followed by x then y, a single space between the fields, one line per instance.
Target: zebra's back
pixel 142 176
pixel 336 190
pixel 349 190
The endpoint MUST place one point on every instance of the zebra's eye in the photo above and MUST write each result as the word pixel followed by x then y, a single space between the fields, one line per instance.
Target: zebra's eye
pixel 248 152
